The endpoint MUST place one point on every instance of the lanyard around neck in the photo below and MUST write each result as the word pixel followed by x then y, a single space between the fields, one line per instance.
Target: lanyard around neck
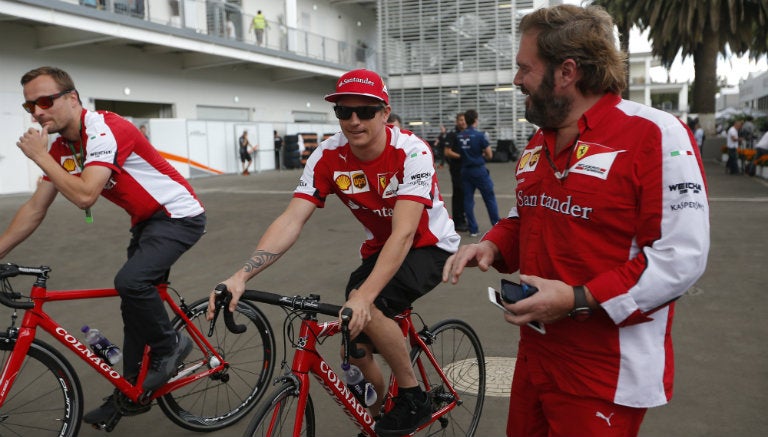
pixel 81 164
pixel 558 174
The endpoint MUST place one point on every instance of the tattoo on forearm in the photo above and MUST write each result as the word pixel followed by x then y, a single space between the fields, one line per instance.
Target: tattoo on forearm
pixel 259 260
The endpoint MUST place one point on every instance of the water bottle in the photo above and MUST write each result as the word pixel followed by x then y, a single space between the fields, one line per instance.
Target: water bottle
pixel 362 389
pixel 101 346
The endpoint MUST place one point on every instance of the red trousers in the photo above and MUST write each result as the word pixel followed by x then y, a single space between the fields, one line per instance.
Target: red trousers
pixel 537 408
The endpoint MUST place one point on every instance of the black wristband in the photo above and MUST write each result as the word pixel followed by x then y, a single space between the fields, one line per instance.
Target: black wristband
pixel 581 310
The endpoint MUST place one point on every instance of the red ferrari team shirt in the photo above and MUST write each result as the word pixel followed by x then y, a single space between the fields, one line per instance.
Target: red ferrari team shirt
pixel 142 181
pixel 370 189
pixel 630 220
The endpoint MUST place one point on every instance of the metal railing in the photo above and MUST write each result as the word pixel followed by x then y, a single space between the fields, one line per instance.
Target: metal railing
pixel 228 23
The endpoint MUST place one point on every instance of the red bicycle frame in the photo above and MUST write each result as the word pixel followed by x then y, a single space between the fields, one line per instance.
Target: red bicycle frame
pixel 308 360
pixel 36 317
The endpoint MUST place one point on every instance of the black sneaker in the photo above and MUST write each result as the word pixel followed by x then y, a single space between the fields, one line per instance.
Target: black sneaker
pixel 406 415
pixel 103 414
pixel 161 369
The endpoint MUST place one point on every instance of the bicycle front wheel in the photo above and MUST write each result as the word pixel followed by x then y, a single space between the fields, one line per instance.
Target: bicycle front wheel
pixel 46 398
pixel 459 354
pixel 224 398
pixel 277 415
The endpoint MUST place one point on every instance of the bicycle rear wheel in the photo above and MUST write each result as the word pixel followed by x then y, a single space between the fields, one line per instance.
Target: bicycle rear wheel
pixel 459 354
pixel 224 398
pixel 46 398
pixel 276 415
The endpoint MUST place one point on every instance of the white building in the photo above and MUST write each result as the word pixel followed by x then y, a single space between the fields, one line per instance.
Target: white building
pixel 191 70
pixel 173 66
pixel 673 97
pixel 753 93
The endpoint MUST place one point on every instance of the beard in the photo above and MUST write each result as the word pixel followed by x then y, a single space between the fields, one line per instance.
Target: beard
pixel 545 109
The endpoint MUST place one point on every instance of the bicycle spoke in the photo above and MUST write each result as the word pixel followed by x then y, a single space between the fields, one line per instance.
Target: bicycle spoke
pixel 46 399
pixel 224 398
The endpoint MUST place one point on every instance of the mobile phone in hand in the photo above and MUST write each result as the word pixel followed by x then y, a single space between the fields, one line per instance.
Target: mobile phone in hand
pixel 513 292
pixel 496 298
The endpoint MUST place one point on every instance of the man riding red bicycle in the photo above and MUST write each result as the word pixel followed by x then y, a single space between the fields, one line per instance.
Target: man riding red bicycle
pixel 100 153
pixel 386 177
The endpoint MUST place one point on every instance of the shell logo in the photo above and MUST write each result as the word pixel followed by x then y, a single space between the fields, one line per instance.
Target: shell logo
pixel 343 182
pixel 69 164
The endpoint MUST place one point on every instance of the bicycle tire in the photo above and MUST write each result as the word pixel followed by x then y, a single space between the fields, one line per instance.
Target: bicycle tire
pixel 46 398
pixel 221 400
pixel 459 354
pixel 275 416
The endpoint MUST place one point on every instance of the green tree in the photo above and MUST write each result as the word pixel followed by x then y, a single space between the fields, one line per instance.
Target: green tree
pixel 701 29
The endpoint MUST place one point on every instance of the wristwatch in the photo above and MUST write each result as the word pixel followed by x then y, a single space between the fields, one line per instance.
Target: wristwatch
pixel 581 310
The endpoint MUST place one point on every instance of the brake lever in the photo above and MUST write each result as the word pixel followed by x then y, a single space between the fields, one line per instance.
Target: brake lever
pixel 218 305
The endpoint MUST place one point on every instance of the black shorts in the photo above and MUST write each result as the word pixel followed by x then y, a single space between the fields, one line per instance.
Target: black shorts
pixel 245 156
pixel 421 271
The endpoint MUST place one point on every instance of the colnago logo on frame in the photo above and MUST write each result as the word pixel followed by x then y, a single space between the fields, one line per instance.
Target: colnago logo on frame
pixel 87 353
pixel 333 379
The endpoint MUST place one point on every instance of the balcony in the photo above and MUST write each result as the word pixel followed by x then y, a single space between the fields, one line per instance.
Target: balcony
pixel 208 33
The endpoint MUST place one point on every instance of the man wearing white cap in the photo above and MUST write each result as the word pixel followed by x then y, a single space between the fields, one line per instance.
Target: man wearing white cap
pixel 386 177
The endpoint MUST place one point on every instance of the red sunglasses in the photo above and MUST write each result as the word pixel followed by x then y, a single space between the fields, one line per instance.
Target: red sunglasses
pixel 43 102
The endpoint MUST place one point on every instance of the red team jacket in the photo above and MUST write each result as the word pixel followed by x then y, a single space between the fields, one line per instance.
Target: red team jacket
pixel 631 222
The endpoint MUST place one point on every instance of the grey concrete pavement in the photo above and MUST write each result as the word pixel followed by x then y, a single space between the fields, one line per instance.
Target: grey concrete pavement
pixel 721 354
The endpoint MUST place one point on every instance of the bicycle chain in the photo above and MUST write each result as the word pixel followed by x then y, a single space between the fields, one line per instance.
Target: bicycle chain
pixel 127 407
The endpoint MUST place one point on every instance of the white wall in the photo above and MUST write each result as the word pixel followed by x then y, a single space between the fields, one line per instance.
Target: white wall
pixel 17 173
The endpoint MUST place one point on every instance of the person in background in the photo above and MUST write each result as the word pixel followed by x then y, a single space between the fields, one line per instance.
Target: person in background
pixel 278 148
pixel 395 120
pixel 245 149
pixel 452 153
pixel 437 148
pixel 761 148
pixel 386 177
pixel 732 144
pixel 144 130
pixel 475 150
pixel 611 225
pixel 101 153
pixel 258 24
pixel 747 132
pixel 698 134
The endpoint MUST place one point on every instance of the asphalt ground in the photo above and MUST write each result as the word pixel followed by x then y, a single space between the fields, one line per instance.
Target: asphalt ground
pixel 721 386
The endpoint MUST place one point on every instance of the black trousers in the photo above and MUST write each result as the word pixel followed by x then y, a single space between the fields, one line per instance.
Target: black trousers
pixel 155 245
pixel 457 199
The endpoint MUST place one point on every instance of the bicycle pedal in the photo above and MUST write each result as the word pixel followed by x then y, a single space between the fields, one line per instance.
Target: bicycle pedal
pixel 110 424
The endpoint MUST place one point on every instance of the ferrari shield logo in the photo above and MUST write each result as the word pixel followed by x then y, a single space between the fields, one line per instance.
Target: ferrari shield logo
pixel 581 150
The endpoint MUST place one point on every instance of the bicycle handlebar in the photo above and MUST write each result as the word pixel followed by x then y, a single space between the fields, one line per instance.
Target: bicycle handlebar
pixel 8 297
pixel 309 304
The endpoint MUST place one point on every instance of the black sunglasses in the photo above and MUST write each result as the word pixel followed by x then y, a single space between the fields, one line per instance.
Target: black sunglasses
pixel 44 102
pixel 363 112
